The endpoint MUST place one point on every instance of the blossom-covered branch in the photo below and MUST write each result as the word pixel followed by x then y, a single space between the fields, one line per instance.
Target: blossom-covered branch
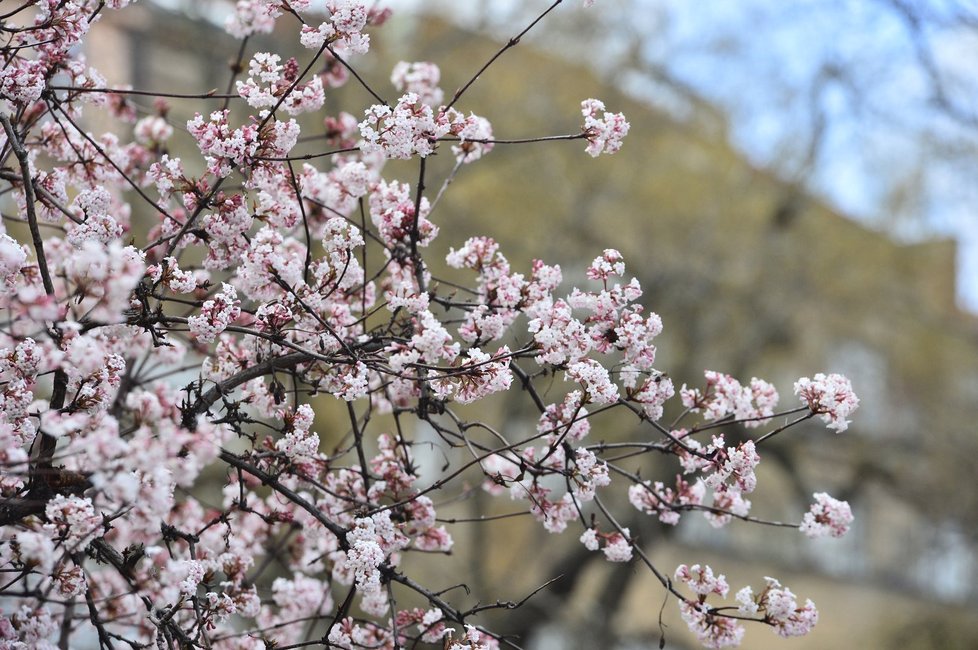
pixel 174 328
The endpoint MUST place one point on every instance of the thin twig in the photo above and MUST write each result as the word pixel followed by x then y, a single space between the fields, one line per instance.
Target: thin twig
pixel 25 169
pixel 513 42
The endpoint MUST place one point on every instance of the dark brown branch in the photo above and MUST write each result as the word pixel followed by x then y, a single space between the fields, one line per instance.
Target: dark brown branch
pixel 267 479
pixel 210 94
pixel 25 169
pixel 513 42
pixel 210 397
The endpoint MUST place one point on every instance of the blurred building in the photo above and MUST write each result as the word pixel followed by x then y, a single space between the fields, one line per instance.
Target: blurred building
pixel 752 276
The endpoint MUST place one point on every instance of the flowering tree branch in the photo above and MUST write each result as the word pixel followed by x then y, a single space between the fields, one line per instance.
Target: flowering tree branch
pixel 159 458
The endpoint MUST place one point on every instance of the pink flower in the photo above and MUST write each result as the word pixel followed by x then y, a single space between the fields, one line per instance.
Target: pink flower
pixel 712 630
pixel 22 81
pixel 216 314
pixel 561 337
pixel 299 442
pixel 656 499
pixel 609 264
pixel 74 520
pixel 737 463
pixel 604 135
pixel 595 380
pixel 152 131
pixel 729 501
pixel 617 547
pixel 269 82
pixel 401 132
pixel 553 514
pixel 169 273
pixel 392 210
pixel 473 131
pixel 13 257
pixel 346 22
pixel 420 78
pixel 782 610
pixel 651 395
pixel 829 396
pixel 476 377
pixel 195 574
pixel 590 539
pixel 827 517
pixel 701 580
pixel 589 474
pixel 567 419
pixel 252 17
pixel 724 396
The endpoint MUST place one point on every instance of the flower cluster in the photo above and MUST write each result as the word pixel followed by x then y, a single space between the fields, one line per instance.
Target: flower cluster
pixel 616 546
pixel 725 396
pixel 604 134
pixel 776 605
pixel 830 397
pixel 299 442
pixel 216 314
pixel 176 280
pixel 477 377
pixel 827 517
pixel 408 129
pixel 271 84
pixel 347 18
pixel 654 498
pixel 780 609
pixel 420 78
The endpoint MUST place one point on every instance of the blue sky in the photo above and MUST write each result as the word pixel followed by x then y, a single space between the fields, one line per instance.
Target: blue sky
pixel 883 131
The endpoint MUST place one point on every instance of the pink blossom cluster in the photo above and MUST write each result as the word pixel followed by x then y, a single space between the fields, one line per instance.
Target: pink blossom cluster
pixel 22 81
pixel 72 520
pixel 474 133
pixel 407 130
pixel 299 441
pixel 711 630
pixel 604 134
pixel 152 131
pixel 93 207
pixel 476 377
pixel 830 397
pixel 420 78
pixel 775 605
pixel 779 608
pixel 616 546
pixel 474 639
pixel 271 84
pixel 104 275
pixel 398 220
pixel 216 314
pixel 344 29
pixel 724 396
pixel 430 624
pixel 175 279
pixel 225 148
pixel 827 517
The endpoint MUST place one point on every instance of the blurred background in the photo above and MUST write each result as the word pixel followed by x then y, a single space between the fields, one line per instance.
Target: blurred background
pixel 797 195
